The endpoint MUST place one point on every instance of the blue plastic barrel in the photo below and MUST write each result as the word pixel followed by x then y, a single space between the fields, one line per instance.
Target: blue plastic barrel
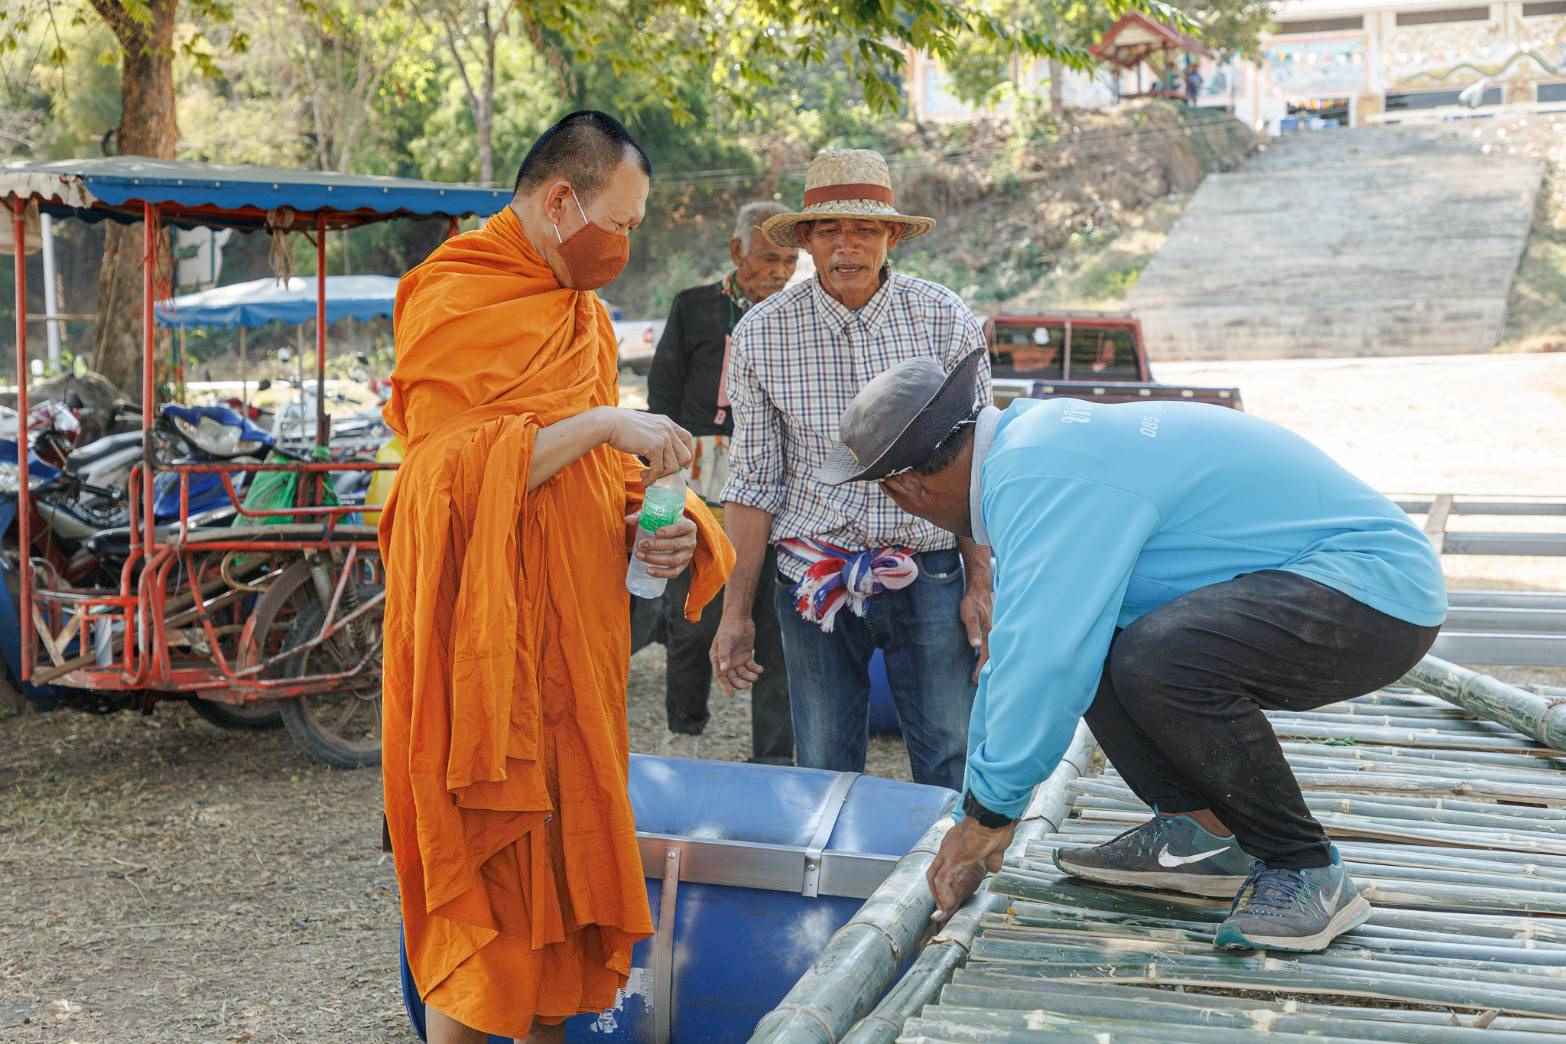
pixel 736 949
pixel 883 712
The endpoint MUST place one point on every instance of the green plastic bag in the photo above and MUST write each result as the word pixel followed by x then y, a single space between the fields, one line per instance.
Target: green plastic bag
pixel 271 490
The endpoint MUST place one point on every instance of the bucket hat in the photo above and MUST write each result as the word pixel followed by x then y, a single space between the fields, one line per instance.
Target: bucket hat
pixel 899 418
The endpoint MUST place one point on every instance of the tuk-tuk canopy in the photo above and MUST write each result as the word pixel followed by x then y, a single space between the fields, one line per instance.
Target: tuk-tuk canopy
pixel 243 197
pixel 263 301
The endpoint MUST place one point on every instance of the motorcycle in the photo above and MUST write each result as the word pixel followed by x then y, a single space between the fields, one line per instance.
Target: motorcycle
pixel 186 435
pixel 82 537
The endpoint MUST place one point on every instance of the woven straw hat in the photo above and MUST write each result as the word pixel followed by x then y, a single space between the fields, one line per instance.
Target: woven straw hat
pixel 846 183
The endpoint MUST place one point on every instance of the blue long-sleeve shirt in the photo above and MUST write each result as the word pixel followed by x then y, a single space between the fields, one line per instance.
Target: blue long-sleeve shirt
pixel 1099 514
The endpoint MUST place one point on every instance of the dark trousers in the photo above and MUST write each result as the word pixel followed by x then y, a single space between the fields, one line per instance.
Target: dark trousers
pixel 689 679
pixel 1179 709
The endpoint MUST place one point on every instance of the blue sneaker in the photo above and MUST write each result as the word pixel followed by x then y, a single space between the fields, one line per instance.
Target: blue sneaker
pixel 1171 853
pixel 1300 911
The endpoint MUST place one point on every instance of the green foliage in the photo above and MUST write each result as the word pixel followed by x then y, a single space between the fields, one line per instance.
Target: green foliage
pixel 983 67
pixel 1231 27
pixel 441 142
pixel 1010 266
pixel 59 86
pixel 1112 282
pixel 730 104
pixel 230 111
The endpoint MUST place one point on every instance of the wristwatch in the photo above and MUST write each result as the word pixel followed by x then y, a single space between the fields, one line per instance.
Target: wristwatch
pixel 983 816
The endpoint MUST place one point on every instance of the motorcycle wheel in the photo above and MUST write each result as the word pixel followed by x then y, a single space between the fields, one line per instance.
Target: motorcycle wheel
pixel 252 717
pixel 340 728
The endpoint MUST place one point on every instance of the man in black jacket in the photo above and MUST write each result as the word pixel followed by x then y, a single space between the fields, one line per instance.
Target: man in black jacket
pixel 686 383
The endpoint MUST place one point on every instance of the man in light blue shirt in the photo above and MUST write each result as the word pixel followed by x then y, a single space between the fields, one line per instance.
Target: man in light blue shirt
pixel 1167 571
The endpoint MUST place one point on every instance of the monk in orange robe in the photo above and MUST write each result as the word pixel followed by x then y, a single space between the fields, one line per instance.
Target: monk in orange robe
pixel 507 634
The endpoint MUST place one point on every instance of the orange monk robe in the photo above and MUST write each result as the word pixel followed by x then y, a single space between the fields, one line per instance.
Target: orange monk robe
pixel 507 644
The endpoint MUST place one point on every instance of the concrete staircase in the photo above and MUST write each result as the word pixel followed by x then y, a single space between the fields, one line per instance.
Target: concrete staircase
pixel 1374 241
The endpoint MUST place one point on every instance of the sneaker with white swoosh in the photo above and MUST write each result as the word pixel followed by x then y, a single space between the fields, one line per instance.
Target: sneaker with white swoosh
pixel 1172 853
pixel 1300 911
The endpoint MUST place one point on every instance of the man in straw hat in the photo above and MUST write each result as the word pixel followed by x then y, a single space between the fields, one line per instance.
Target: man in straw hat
pixel 1168 570
pixel 687 384
pixel 798 359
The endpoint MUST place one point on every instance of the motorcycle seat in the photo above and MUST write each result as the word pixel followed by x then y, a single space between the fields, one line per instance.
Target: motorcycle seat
pixel 115 543
pixel 93 452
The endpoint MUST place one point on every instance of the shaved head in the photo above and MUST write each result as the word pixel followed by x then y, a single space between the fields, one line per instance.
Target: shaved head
pixel 584 148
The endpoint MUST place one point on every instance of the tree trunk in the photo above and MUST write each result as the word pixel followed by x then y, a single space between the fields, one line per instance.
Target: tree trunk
pixel 484 115
pixel 486 145
pixel 1057 87
pixel 147 128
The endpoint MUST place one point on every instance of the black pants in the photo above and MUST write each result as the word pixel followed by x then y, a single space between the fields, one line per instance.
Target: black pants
pixel 689 679
pixel 1179 709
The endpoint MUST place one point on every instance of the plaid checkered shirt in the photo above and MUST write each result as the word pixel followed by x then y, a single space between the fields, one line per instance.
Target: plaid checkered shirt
pixel 797 361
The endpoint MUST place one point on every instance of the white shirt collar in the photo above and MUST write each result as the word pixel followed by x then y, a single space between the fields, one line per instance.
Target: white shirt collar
pixel 983 436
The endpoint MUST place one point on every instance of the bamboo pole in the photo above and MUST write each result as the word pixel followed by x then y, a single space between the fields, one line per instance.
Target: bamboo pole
pixel 1541 717
pixel 1078 902
pixel 1392 761
pixel 1341 825
pixel 1040 886
pixel 1374 937
pixel 1436 709
pixel 1456 726
pixel 1427 887
pixel 875 941
pixel 1031 950
pixel 1167 933
pixel 1475 990
pixel 1395 766
pixel 1499 798
pixel 825 1003
pixel 1428 738
pixel 1486 782
pixel 1054 1030
pixel 1545 821
pixel 935 963
pixel 1003 994
pixel 1394 791
pixel 1461 758
pixel 987 1009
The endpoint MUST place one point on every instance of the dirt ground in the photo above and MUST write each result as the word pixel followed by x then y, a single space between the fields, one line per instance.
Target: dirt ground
pixel 165 882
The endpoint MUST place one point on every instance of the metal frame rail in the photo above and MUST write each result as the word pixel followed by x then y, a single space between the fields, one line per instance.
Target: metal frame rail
pixel 1453 825
pixel 1497 627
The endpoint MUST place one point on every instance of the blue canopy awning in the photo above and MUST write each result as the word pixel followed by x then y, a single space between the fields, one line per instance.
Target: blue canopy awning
pixel 237 196
pixel 263 301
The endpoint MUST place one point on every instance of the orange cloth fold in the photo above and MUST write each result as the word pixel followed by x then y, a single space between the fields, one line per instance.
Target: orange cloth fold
pixel 505 753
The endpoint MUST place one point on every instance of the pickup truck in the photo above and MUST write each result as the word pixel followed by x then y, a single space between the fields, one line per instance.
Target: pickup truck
pixel 1081 355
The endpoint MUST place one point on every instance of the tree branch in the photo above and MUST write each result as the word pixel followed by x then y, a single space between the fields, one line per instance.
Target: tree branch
pixel 126 29
pixel 452 35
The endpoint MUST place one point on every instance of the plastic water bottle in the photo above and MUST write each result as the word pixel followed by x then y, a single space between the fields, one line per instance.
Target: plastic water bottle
pixel 663 505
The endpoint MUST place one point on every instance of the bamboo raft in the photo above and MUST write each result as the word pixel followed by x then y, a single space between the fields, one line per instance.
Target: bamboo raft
pixel 1448 807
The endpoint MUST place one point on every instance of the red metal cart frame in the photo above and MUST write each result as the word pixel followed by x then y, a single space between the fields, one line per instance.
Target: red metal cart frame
pixel 212 613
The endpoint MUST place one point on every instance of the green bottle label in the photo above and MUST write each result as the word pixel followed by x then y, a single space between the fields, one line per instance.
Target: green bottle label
pixel 661 508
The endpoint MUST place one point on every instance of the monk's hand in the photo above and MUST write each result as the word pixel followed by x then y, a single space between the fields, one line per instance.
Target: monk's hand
pixel 663 444
pixel 968 852
pixel 734 653
pixel 668 551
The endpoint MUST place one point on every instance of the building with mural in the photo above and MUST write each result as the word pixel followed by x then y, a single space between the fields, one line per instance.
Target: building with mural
pixel 1340 62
